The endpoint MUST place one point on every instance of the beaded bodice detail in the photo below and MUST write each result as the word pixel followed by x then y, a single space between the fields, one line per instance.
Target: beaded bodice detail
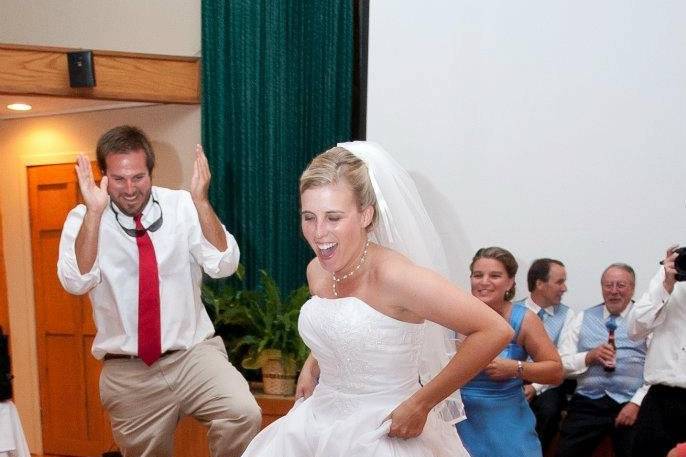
pixel 359 349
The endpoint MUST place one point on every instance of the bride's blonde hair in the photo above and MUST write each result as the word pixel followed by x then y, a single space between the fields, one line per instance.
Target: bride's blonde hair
pixel 336 165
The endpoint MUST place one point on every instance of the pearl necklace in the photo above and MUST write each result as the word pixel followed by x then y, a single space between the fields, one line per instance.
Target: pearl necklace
pixel 351 272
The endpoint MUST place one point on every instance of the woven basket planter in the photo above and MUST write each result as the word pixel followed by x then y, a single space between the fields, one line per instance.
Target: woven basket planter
pixel 277 379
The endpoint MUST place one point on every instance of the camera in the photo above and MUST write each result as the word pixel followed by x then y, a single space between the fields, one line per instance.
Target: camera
pixel 680 264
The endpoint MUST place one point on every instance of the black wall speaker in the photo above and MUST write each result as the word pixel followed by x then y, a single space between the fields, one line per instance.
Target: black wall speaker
pixel 81 70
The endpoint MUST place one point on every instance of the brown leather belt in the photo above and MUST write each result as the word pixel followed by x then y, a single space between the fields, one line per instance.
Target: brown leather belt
pixel 109 356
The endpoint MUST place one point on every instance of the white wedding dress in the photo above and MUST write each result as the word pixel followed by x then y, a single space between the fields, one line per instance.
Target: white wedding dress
pixel 369 364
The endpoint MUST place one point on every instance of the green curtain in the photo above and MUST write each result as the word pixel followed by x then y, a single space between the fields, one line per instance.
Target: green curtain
pixel 277 90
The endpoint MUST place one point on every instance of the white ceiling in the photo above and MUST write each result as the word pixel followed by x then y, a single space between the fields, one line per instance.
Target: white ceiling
pixel 50 106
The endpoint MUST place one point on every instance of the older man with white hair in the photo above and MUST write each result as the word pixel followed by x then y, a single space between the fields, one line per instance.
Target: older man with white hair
pixel 609 370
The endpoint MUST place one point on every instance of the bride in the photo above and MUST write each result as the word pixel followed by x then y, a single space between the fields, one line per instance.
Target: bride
pixel 381 378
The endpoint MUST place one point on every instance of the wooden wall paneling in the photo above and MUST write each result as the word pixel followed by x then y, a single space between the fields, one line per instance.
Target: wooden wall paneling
pixel 118 75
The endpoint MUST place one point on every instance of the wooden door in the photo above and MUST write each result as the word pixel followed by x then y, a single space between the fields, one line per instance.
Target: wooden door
pixel 72 419
pixel 74 423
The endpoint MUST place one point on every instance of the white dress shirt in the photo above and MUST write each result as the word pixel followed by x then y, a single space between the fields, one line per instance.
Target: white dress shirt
pixel 574 362
pixel 529 303
pixel 664 315
pixel 181 251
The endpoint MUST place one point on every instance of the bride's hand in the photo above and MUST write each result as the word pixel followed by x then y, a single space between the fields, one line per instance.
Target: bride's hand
pixel 308 379
pixel 407 420
pixel 306 384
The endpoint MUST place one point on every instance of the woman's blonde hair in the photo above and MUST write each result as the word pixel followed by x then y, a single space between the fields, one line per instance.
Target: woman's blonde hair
pixel 503 256
pixel 336 165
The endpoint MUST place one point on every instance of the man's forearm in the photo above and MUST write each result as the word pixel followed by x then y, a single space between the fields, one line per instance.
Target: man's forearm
pixel 211 227
pixel 86 245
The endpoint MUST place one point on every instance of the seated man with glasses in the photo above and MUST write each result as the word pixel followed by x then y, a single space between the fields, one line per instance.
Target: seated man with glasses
pixel 608 366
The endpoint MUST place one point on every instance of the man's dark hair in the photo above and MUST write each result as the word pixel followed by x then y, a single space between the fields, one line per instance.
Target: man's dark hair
pixel 124 139
pixel 540 269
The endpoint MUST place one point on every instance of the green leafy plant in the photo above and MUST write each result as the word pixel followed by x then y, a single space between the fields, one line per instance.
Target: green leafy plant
pixel 263 321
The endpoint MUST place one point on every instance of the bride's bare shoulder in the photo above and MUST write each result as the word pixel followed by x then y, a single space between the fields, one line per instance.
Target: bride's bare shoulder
pixel 395 272
pixel 388 261
pixel 392 272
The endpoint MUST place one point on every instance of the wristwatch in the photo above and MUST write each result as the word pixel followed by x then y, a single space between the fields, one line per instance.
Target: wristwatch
pixel 520 370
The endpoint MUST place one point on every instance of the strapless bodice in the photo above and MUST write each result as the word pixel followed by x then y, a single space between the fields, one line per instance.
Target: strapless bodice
pixel 359 349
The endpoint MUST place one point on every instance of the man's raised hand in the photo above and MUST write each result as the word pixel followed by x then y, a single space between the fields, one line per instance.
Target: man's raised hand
pixel 200 182
pixel 94 197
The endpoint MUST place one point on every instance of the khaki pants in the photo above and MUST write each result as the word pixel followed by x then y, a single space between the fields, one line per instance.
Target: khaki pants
pixel 145 403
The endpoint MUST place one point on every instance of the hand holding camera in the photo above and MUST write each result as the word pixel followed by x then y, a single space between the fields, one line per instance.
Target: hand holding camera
pixel 675 266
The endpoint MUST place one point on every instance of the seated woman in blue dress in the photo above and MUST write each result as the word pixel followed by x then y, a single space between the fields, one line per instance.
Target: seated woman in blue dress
pixel 499 421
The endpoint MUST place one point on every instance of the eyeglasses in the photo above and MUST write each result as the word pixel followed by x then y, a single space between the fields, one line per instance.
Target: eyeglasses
pixel 135 233
pixel 620 285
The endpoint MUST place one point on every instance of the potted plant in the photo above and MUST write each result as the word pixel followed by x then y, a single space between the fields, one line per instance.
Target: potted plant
pixel 267 324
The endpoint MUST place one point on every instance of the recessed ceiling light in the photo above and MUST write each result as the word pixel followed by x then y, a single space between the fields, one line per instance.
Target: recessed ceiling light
pixel 19 107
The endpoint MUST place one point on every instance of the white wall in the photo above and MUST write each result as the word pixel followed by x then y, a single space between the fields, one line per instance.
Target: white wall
pixel 150 26
pixel 549 128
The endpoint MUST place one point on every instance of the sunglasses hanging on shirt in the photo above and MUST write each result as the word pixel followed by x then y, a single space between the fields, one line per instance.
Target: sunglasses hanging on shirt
pixel 132 232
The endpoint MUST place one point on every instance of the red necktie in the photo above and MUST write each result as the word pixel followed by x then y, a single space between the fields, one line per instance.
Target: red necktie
pixel 149 346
